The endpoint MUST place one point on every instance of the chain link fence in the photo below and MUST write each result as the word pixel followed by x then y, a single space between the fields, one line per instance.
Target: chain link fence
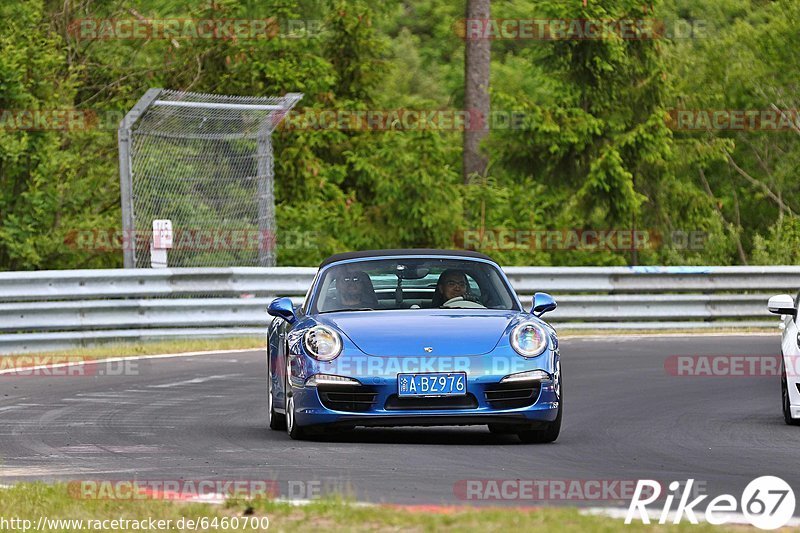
pixel 205 162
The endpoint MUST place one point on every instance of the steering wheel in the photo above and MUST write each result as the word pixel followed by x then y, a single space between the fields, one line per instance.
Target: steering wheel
pixel 463 303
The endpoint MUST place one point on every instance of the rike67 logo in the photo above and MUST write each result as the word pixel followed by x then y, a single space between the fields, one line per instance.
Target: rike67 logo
pixel 767 503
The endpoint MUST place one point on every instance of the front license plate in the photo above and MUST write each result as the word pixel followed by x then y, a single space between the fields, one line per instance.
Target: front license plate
pixel 432 384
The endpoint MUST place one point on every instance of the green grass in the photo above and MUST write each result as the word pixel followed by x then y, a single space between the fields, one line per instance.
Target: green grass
pixel 338 515
pixel 32 500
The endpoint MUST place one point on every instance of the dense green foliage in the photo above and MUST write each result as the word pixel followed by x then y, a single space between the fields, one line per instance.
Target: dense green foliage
pixel 593 151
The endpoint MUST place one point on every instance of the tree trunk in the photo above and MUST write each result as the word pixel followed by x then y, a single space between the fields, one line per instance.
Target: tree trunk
pixel 476 89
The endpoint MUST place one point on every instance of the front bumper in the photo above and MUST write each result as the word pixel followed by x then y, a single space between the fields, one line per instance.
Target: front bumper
pixel 376 404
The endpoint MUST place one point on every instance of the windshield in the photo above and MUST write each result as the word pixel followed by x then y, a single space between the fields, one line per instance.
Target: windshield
pixel 411 283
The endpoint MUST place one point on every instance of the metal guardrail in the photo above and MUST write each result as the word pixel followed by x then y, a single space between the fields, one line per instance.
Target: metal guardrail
pixel 59 309
pixel 152 283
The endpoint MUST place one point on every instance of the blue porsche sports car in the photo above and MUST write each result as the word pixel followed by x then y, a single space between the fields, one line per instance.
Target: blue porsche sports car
pixel 413 338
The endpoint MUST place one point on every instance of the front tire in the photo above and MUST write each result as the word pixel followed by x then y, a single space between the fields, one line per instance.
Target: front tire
pixel 543 436
pixel 552 429
pixel 277 421
pixel 295 432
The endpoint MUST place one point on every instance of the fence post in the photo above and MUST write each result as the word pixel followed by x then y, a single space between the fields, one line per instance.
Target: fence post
pixel 126 179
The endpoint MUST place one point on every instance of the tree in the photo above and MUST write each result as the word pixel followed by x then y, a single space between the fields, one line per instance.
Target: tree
pixel 749 172
pixel 476 88
pixel 594 134
pixel 48 186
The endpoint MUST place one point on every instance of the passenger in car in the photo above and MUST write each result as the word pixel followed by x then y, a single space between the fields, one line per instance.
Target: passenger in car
pixel 354 290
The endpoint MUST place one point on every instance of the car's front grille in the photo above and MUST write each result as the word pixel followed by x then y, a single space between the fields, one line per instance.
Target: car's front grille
pixel 512 395
pixel 347 398
pixel 395 403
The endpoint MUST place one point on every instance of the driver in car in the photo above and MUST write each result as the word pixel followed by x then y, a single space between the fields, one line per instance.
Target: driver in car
pixel 452 284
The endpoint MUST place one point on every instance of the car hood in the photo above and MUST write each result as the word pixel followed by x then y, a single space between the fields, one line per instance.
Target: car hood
pixel 409 332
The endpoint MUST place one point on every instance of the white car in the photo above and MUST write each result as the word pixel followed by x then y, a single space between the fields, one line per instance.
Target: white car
pixel 784 305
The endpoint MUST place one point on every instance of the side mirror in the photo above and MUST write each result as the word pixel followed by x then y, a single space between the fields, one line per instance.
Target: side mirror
pixel 782 304
pixel 543 303
pixel 282 308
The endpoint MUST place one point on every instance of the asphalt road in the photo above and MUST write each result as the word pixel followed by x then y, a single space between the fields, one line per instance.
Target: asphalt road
pixel 626 418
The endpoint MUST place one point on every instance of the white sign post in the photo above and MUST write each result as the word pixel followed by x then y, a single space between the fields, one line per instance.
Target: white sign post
pixel 160 243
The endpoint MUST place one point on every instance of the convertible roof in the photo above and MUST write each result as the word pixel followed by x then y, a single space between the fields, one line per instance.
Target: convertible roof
pixel 410 251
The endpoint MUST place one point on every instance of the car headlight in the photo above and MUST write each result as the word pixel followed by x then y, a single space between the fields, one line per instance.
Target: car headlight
pixel 529 339
pixel 322 343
